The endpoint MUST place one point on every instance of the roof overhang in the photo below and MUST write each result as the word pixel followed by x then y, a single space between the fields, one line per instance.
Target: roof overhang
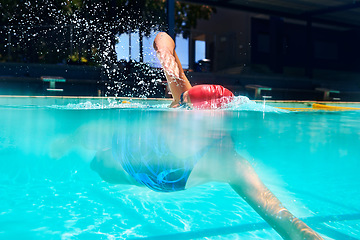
pixel 342 13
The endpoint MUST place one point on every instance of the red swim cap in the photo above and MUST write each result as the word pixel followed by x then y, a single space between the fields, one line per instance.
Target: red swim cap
pixel 209 96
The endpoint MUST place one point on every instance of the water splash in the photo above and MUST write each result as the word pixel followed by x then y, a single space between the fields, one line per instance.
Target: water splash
pixel 245 104
pixel 134 79
pixel 239 103
pixel 111 104
pixel 82 33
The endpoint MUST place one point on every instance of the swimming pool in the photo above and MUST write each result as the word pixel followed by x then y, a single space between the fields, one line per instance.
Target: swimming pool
pixel 48 190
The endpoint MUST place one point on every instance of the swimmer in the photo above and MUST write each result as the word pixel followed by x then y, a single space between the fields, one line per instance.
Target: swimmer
pixel 238 172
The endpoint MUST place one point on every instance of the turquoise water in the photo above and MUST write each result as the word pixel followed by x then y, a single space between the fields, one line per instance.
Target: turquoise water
pixel 48 190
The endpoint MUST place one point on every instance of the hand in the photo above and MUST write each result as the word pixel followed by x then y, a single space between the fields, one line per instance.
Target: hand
pixel 174 104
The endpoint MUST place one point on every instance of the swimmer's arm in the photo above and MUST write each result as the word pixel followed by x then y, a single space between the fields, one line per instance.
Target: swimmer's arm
pixel 165 51
pixel 248 185
pixel 175 76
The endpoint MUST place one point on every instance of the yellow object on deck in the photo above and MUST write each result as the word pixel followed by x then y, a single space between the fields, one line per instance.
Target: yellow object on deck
pixel 332 108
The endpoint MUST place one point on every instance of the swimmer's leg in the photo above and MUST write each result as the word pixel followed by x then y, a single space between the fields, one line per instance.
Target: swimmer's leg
pixel 238 172
pixel 248 185
pixel 110 170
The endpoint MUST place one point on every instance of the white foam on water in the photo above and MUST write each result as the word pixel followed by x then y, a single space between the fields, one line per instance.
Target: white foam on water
pixel 242 103
pixel 239 103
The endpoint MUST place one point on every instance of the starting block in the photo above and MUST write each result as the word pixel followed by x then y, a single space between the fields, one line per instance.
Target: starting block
pixel 327 92
pixel 52 82
pixel 258 89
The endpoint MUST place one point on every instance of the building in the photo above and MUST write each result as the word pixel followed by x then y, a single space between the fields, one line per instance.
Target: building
pixel 306 45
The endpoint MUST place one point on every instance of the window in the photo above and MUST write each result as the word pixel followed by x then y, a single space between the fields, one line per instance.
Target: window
pixel 263 43
pixel 200 49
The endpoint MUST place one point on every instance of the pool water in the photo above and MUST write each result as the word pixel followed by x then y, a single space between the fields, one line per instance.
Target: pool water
pixel 49 190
